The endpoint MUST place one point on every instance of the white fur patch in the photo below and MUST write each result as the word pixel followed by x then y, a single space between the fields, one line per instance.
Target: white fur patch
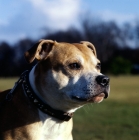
pixel 54 129
pixel 32 83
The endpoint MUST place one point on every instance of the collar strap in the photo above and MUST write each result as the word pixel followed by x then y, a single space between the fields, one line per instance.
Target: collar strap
pixel 39 103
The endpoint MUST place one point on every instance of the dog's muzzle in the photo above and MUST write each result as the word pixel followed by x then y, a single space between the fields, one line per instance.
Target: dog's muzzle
pixel 103 87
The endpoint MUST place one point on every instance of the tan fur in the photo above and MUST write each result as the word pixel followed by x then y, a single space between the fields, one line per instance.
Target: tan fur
pixel 55 83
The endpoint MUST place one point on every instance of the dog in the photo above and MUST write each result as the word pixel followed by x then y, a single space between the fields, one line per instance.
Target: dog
pixel 41 104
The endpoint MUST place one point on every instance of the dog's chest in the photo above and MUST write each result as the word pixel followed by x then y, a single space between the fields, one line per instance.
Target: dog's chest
pixel 53 129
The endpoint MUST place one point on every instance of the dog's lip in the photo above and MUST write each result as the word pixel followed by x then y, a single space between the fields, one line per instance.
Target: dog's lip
pixel 97 98
pixel 102 94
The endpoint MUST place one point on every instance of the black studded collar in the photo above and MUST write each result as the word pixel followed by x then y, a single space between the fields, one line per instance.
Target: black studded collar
pixel 24 79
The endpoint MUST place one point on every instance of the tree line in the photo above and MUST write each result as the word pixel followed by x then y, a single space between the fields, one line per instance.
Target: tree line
pixel 117 47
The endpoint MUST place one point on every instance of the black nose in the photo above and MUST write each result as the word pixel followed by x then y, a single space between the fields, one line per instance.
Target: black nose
pixel 102 80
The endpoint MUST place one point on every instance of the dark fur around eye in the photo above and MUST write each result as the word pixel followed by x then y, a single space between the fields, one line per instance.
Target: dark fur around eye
pixel 74 66
pixel 98 66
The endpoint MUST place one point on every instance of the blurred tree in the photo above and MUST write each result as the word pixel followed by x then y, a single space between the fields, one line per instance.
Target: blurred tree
pixel 137 33
pixel 120 66
pixel 19 62
pixel 117 46
pixel 103 36
pixel 7 55
pixel 72 35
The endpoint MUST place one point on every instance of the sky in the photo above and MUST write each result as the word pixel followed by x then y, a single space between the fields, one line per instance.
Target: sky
pixel 20 19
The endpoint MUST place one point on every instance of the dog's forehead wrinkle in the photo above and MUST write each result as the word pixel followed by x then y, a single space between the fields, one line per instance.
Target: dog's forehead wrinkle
pixel 63 56
pixel 79 58
pixel 74 54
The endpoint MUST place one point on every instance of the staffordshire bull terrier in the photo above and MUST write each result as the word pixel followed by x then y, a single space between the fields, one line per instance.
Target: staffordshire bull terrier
pixel 41 104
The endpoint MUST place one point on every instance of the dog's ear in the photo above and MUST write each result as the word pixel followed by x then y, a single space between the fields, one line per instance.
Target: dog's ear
pixel 90 45
pixel 39 51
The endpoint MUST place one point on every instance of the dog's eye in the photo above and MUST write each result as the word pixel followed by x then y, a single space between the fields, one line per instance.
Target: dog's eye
pixel 75 66
pixel 98 66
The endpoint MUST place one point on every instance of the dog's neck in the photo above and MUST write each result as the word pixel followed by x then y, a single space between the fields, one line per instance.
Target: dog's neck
pixel 48 109
pixel 51 125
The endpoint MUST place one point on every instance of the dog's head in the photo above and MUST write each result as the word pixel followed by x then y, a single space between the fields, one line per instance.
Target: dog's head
pixel 67 75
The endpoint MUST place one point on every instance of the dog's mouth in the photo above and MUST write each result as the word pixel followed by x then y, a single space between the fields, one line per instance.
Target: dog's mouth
pixel 100 96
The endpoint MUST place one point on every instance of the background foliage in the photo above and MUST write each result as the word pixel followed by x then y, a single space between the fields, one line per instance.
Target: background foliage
pixel 117 47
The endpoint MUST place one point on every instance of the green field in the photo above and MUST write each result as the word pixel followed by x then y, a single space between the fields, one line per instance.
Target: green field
pixel 116 118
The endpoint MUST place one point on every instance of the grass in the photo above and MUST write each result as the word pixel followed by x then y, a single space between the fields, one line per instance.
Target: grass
pixel 7 83
pixel 116 118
